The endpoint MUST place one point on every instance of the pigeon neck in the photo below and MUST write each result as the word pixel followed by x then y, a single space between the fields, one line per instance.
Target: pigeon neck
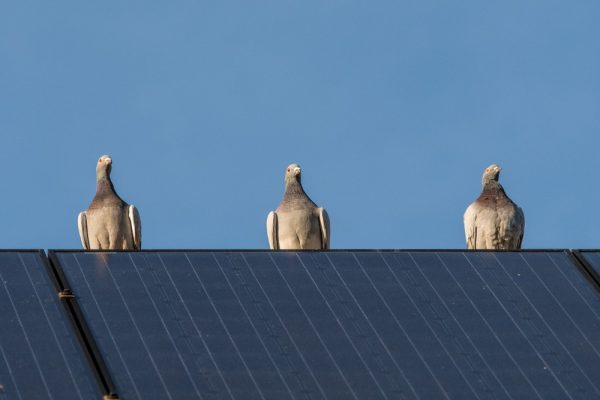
pixel 104 185
pixel 492 187
pixel 293 187
pixel 295 198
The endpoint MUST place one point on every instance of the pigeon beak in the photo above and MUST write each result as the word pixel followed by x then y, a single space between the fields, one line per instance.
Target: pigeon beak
pixel 297 170
pixel 109 161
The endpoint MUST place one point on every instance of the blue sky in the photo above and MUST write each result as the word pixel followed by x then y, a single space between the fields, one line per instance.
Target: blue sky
pixel 392 108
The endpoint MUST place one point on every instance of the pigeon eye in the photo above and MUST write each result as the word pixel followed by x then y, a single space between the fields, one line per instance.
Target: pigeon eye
pixel 288 170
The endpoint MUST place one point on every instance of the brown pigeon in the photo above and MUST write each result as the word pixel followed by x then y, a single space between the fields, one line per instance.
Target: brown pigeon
pixel 109 223
pixel 297 223
pixel 493 221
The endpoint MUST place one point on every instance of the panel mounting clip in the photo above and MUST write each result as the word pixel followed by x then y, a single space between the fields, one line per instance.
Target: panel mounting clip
pixel 66 294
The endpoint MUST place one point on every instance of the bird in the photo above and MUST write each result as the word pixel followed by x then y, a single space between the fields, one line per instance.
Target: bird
pixel 297 223
pixel 109 223
pixel 494 221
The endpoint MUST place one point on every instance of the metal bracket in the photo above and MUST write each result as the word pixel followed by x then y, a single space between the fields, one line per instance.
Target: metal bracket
pixel 66 294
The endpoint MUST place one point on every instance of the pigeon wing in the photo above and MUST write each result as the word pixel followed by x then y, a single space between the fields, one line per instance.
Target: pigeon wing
pixel 325 230
pixel 521 226
pixel 470 222
pixel 272 228
pixel 83 232
pixel 136 227
pixel 511 225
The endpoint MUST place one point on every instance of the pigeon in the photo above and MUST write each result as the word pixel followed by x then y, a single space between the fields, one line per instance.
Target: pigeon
pixel 494 221
pixel 109 223
pixel 297 223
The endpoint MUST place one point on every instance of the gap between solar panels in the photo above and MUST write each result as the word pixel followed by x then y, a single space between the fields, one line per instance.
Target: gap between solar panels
pixel 79 324
pixel 585 262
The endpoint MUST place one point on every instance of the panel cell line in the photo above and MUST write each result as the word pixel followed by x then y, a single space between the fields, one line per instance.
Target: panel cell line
pixel 340 324
pixel 40 356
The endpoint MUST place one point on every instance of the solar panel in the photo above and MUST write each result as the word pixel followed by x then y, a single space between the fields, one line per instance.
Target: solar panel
pixel 340 324
pixel 40 357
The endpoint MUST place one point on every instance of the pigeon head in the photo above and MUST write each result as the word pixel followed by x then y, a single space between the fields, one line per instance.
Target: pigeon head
pixel 103 167
pixel 292 174
pixel 491 174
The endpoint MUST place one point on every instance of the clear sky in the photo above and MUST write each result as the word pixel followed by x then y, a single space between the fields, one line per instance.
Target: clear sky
pixel 392 108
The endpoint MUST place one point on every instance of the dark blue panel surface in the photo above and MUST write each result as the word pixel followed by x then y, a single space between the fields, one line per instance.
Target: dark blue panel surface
pixel 341 325
pixel 40 357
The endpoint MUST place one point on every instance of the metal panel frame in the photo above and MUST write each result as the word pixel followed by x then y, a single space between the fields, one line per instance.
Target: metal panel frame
pixel 204 250
pixel 81 328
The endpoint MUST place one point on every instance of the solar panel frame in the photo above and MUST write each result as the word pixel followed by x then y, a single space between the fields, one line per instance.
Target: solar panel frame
pixel 573 259
pixel 41 283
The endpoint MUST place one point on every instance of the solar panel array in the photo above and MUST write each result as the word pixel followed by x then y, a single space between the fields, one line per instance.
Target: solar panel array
pixel 340 324
pixel 40 357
